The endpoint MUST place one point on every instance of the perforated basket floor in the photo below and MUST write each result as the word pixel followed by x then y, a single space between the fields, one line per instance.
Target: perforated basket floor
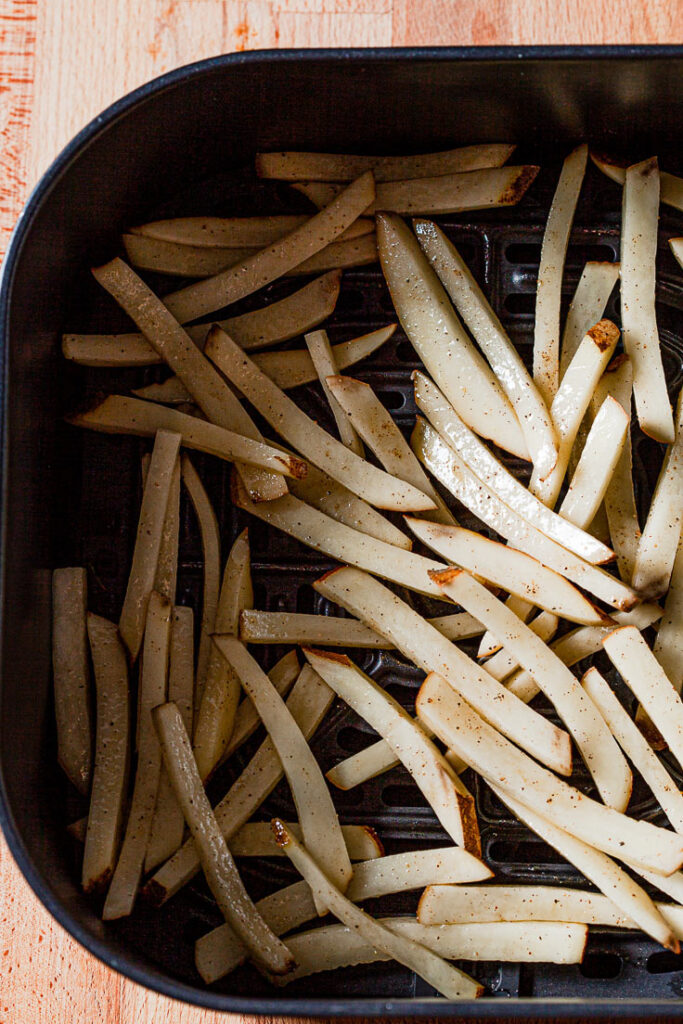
pixel 101 494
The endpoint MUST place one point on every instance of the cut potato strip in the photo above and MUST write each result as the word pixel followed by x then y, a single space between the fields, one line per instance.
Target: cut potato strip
pixel 299 430
pixel 440 785
pixel 210 540
pixel 572 401
pixel 636 747
pixel 257 627
pixel 236 232
pixel 515 572
pixel 672 885
pixel 168 826
pixel 219 867
pixel 293 166
pixel 315 810
pixel 208 389
pixel 588 305
pixel 495 476
pixel 216 715
pixel 599 869
pixel 366 598
pixel 581 643
pixel 645 677
pixel 472 305
pixel 513 772
pixel 550 271
pixel 166 579
pixel 376 426
pixel 369 763
pixel 440 340
pixel 676 246
pixel 322 358
pixel 110 773
pixel 119 414
pixel 320 193
pixel 153 682
pixel 280 321
pixel 256 839
pixel 71 675
pixel 464 485
pixel 600 752
pixel 662 531
pixel 276 259
pixel 668 648
pixel 282 675
pixel 352 252
pixel 335 946
pixel 448 980
pixel 145 561
pixel 639 224
pixel 460 904
pixel 503 664
pixel 339 541
pixel 671 187
pixel 599 458
pixel 308 704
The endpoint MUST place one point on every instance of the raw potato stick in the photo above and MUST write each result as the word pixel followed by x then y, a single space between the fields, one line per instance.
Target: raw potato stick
pixel 282 675
pixel 236 232
pixel 639 223
pixel 72 675
pixel 219 867
pixel 110 774
pixel 549 288
pixel 323 359
pixel 456 277
pixel 587 307
pixel 597 463
pixel 668 648
pixel 503 664
pixel 150 531
pixel 256 839
pixel 153 682
pixel 671 187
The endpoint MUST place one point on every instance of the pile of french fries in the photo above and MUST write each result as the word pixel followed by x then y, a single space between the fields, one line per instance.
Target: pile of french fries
pixel 559 571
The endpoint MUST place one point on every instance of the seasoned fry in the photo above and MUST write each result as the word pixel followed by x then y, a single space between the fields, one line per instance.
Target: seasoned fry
pixel 216 715
pixel 276 259
pixel 588 305
pixel 322 358
pixel 598 748
pixel 668 648
pixel 599 458
pixel 150 531
pixel 440 340
pixel 639 223
pixel 636 747
pixel 456 277
pixel 495 476
pixel 513 772
pixel 549 288
pixel 661 533
pixel 376 427
pixel 294 166
pixel 72 675
pixel 110 774
pixel 219 867
pixel 363 596
pixel 447 980
pixel 503 664
pixel 452 803
pixel 257 627
pixel 166 579
pixel 256 839
pixel 236 232
pixel 282 675
pixel 320 193
pixel 153 682
pixel 671 187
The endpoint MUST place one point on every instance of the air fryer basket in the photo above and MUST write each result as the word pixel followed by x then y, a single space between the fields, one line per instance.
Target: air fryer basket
pixel 72 497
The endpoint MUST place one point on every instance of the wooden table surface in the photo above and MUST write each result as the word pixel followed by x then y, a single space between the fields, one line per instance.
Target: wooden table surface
pixel 61 62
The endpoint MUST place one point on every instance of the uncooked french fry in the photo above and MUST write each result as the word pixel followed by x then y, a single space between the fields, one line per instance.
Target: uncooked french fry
pixel 447 980
pixel 376 427
pixel 293 166
pixel 671 187
pixel 282 675
pixel 598 747
pixel 549 288
pixel 363 596
pixel 322 358
pixel 599 458
pixel 219 867
pixel 150 530
pixel 276 259
pixel 639 223
pixel 110 773
pixel 503 664
pixel 71 675
pixel 256 839
pixel 587 307
pixel 532 412
pixel 440 340
pixel 257 627
pixel 236 232
pixel 153 682
pixel 166 579
pixel 452 803
pixel 668 648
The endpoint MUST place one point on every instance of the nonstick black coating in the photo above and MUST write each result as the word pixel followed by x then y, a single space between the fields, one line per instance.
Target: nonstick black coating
pixel 184 144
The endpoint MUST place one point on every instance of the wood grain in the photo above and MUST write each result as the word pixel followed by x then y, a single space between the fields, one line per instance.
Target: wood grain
pixel 61 62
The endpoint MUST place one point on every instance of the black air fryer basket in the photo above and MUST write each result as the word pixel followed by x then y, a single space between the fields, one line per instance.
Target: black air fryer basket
pixel 184 144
